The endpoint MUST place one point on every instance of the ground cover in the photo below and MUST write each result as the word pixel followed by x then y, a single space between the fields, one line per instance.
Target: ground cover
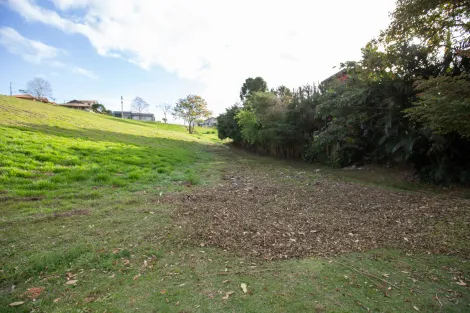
pixel 88 223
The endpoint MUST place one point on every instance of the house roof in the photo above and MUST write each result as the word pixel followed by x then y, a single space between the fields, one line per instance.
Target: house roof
pixel 24 96
pixel 137 113
pixel 340 76
pixel 76 105
pixel 87 101
pixel 29 97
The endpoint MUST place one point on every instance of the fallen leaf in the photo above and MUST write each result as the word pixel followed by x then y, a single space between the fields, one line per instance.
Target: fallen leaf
pixel 136 276
pixel 228 294
pixel 226 281
pixel 34 293
pixel 56 300
pixel 461 283
pixel 177 303
pixel 162 291
pixel 70 276
pixel 243 287
pixel 16 303
pixel 386 275
pixel 71 282
pixel 89 299
pixel 415 307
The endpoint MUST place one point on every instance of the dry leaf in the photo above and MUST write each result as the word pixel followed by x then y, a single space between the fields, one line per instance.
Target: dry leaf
pixel 415 307
pixel 136 276
pixel 228 294
pixel 386 275
pixel 70 276
pixel 162 291
pixel 461 283
pixel 226 281
pixel 34 293
pixel 16 303
pixel 56 300
pixel 177 303
pixel 243 287
pixel 71 282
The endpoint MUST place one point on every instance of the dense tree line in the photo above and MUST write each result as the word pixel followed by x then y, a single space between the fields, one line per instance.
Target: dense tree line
pixel 406 101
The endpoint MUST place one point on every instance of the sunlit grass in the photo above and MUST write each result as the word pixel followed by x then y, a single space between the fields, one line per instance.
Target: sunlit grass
pixel 48 150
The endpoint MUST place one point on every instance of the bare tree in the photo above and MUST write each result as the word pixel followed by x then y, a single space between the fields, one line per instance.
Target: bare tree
pixel 39 88
pixel 165 107
pixel 139 105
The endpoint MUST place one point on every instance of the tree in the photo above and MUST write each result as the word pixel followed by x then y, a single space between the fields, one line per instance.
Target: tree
pixel 252 85
pixel 99 108
pixel 165 107
pixel 39 88
pixel 440 25
pixel 139 105
pixel 443 105
pixel 227 126
pixel 191 109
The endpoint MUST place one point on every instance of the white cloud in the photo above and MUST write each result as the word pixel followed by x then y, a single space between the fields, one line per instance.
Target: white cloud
pixel 84 72
pixel 30 50
pixel 220 43
pixel 37 52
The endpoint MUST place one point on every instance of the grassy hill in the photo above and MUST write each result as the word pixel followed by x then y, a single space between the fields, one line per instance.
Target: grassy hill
pixel 54 152
pixel 99 214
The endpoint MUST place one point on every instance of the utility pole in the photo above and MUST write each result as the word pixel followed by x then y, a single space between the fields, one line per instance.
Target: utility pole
pixel 122 108
pixel 10 90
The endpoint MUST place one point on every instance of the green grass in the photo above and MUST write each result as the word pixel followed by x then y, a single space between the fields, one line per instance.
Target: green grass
pixel 52 152
pixel 79 197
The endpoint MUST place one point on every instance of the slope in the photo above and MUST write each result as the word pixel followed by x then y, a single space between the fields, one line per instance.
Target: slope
pixel 54 152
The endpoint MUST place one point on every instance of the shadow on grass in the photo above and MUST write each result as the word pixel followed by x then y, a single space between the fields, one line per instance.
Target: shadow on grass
pixel 387 178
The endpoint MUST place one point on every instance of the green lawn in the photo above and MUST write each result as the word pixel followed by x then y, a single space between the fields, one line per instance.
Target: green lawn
pixel 81 202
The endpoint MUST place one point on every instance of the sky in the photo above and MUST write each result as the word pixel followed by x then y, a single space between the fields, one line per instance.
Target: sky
pixel 165 50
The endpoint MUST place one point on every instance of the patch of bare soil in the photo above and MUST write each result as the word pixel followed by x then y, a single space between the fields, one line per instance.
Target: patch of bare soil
pixel 258 215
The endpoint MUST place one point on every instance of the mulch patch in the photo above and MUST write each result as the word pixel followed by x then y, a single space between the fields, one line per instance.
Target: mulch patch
pixel 253 214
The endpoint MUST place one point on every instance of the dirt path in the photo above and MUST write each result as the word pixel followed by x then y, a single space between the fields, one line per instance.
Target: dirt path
pixel 276 213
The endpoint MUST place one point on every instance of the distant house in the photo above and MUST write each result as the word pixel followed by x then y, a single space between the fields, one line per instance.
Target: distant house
pixel 80 104
pixel 339 77
pixel 210 122
pixel 150 117
pixel 31 98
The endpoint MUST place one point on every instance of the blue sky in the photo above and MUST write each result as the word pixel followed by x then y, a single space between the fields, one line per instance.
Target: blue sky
pixel 165 50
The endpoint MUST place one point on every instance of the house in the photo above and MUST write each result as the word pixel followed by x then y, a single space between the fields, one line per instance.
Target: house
pixel 339 77
pixel 150 117
pixel 80 104
pixel 31 98
pixel 210 122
